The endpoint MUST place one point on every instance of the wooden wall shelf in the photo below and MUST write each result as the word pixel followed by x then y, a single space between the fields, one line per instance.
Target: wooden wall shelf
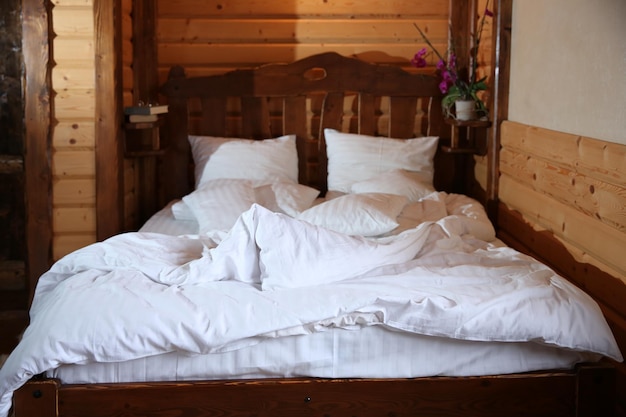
pixel 464 135
pixel 142 139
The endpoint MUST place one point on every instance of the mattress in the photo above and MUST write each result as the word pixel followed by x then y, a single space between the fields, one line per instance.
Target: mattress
pixel 372 352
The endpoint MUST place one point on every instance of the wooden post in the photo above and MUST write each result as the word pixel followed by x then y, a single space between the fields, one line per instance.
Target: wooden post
pixel 501 68
pixel 37 165
pixel 109 143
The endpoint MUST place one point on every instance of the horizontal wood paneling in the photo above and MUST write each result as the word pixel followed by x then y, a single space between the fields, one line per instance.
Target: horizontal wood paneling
pixel 73 21
pixel 74 163
pixel 72 77
pixel 66 3
pixel 74 49
pixel 74 192
pixel 288 30
pixel 591 241
pixel 73 132
pixel 67 243
pixel 575 187
pixel 215 37
pixel 74 220
pixel 302 8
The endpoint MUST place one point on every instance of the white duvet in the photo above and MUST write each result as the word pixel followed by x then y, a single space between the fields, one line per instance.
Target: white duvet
pixel 142 294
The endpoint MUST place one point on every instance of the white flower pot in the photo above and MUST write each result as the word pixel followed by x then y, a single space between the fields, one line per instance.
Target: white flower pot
pixel 465 109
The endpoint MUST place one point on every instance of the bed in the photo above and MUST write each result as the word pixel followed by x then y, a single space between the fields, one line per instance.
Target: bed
pixel 305 262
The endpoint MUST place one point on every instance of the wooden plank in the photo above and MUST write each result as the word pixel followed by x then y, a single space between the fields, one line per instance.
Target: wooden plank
pixel 73 49
pixel 499 103
pixel 543 395
pixel 70 3
pixel 255 122
pixel 301 29
pixel 74 163
pixel 254 54
pixel 108 117
pixel 65 244
pixel 605 161
pixel 73 135
pixel 37 118
pixel 71 77
pixel 73 21
pixel 74 220
pixel 402 117
pixel 271 8
pixel 367 117
pixel 38 398
pixel 294 122
pixel 75 104
pixel 145 54
pixel 74 192
pixel 599 244
pixel 595 198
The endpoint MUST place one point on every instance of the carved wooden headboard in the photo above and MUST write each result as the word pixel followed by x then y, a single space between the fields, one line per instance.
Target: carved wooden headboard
pixel 304 97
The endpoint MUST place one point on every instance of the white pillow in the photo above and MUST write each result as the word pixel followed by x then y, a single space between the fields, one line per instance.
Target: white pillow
pixel 353 158
pixel 181 211
pixel 397 181
pixel 218 203
pixel 260 161
pixel 286 197
pixel 368 214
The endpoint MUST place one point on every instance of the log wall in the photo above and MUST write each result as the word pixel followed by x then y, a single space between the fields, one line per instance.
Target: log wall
pixel 209 37
pixel 73 130
pixel 572 186
pixel 563 201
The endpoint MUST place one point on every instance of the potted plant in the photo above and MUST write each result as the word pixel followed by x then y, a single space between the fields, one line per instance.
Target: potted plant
pixel 458 92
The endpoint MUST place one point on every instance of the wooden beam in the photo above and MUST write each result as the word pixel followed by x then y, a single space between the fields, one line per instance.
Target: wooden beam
pixel 108 117
pixel 145 65
pixel 37 119
pixel 501 68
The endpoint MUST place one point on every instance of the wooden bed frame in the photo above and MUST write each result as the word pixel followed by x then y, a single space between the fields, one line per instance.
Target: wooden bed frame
pixel 305 97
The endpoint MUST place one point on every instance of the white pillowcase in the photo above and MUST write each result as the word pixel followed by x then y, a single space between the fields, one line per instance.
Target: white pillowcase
pixel 181 211
pixel 286 197
pixel 367 214
pixel 353 158
pixel 397 181
pixel 280 197
pixel 218 203
pixel 260 161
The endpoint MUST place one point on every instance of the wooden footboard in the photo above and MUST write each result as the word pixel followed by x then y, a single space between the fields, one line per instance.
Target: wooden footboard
pixel 584 391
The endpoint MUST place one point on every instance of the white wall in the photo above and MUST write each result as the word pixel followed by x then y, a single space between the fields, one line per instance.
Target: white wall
pixel 568 66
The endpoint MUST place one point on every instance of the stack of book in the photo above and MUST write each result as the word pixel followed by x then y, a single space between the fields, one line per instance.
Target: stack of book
pixel 143 114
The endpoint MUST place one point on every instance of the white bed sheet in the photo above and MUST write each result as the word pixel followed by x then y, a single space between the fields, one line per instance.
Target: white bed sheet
pixel 372 352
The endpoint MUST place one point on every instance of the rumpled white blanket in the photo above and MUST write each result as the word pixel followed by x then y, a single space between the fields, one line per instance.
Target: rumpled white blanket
pixel 142 294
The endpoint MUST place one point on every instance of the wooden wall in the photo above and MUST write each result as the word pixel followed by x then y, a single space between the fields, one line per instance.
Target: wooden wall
pixel 563 200
pixel 206 37
pixel 73 130
pixel 209 37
